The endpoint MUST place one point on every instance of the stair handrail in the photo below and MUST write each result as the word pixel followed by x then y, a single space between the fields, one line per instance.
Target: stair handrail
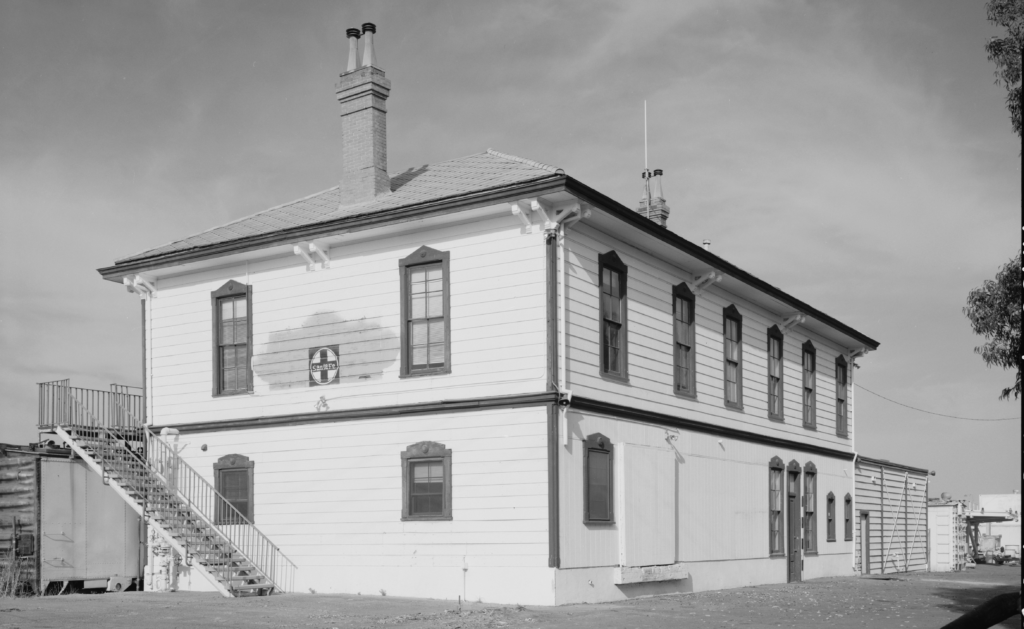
pixel 63 405
pixel 218 512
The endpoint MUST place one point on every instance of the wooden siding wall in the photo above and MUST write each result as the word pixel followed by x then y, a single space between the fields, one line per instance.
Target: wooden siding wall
pixel 650 354
pixel 19 512
pixel 330 495
pixel 498 340
pixel 898 522
pixel 719 494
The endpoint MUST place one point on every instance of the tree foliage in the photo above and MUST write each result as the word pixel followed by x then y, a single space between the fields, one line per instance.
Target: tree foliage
pixel 1005 52
pixel 994 309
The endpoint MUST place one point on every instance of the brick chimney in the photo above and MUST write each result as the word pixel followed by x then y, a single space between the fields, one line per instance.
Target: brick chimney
pixel 362 92
pixel 652 203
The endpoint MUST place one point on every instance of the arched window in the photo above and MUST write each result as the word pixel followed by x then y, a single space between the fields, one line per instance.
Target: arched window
pixel 776 470
pixel 598 499
pixel 684 324
pixel 830 517
pixel 614 316
pixel 427 482
pixel 810 359
pixel 810 508
pixel 775 396
pixel 232 339
pixel 732 332
pixel 426 320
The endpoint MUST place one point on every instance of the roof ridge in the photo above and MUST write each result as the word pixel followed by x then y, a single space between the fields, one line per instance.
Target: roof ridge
pixel 523 160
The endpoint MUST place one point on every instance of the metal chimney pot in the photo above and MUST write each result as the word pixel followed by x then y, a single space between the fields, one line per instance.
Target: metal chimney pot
pixel 353 49
pixel 369 59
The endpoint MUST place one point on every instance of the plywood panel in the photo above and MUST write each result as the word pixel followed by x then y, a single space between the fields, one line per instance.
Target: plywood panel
pixel 648 506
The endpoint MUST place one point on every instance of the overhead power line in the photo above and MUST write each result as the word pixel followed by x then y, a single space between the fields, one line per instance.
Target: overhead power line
pixel 921 410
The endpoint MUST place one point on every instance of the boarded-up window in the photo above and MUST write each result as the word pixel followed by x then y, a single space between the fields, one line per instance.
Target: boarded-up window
pixel 685 355
pixel 232 339
pixel 427 482
pixel 775 400
pixel 598 490
pixel 233 480
pixel 810 355
pixel 848 518
pixel 842 373
pixel 830 517
pixel 732 323
pixel 810 508
pixel 775 502
pixel 614 357
pixel 426 346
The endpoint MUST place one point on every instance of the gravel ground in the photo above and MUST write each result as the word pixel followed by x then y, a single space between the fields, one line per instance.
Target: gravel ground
pixel 916 600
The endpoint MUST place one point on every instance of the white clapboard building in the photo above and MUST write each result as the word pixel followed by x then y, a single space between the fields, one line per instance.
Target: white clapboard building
pixel 484 378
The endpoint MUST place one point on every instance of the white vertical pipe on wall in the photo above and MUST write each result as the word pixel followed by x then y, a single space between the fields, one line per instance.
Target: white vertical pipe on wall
pixel 563 296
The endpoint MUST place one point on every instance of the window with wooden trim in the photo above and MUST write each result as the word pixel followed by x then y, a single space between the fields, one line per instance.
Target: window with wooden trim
pixel 232 339
pixel 732 332
pixel 830 517
pixel 426 320
pixel 598 495
pixel 614 319
pixel 427 482
pixel 775 396
pixel 842 417
pixel 776 468
pixel 810 358
pixel 810 508
pixel 848 518
pixel 683 315
pixel 233 476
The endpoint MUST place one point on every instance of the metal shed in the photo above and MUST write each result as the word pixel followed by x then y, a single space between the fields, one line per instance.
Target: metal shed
pixel 891 519
pixel 63 523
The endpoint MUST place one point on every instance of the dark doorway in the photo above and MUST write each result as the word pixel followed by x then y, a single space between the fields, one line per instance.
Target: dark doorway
pixel 794 521
pixel 865 543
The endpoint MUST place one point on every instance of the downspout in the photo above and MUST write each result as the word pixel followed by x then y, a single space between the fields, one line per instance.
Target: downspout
pixel 554 383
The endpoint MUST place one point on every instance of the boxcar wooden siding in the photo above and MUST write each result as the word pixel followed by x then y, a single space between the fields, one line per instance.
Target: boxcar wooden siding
pixel 719 489
pixel 330 496
pixel 498 333
pixel 899 527
pixel 650 353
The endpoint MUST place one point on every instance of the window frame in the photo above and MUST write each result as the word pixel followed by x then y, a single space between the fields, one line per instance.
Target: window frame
pixel 231 290
pixel 843 400
pixel 233 463
pixel 611 261
pixel 598 443
pixel 777 467
pixel 732 313
pixel 810 501
pixel 775 333
pixel 681 293
pixel 426 452
pixel 421 257
pixel 848 518
pixel 830 517
pixel 809 400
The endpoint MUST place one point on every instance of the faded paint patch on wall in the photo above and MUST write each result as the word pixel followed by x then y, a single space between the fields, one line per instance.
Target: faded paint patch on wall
pixel 366 350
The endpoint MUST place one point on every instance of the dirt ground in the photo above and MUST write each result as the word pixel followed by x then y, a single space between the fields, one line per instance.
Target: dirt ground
pixel 915 600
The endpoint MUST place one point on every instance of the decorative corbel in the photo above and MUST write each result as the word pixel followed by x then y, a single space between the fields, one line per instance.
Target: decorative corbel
pixel 700 282
pixel 321 252
pixel 792 319
pixel 139 285
pixel 301 251
pixel 521 209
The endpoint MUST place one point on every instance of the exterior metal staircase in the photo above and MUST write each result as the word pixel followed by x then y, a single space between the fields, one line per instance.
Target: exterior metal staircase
pixel 213 537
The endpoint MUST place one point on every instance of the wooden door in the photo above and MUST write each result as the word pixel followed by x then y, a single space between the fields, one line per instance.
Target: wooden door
pixel 795 547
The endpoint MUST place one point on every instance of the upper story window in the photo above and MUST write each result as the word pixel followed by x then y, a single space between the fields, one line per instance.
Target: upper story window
pixel 775 501
pixel 732 324
pixel 232 338
pixel 810 384
pixel 233 476
pixel 598 472
pixel 683 314
pixel 811 508
pixel 614 349
pixel 842 416
pixel 427 482
pixel 775 399
pixel 426 320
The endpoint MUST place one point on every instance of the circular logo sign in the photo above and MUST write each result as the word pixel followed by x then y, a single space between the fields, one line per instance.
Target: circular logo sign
pixel 323 366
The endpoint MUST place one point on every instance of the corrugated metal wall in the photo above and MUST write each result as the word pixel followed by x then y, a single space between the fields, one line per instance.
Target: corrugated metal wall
pixel 19 514
pixel 895 500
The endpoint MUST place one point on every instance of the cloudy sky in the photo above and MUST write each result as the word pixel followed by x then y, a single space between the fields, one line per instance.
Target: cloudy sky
pixel 855 154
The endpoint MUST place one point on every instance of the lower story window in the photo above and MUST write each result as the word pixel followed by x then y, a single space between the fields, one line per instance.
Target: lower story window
pixel 427 482
pixel 233 475
pixel 599 477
